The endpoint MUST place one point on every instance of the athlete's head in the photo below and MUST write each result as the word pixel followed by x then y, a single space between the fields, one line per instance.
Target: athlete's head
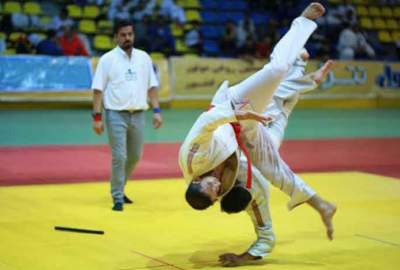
pixel 123 31
pixel 236 200
pixel 202 193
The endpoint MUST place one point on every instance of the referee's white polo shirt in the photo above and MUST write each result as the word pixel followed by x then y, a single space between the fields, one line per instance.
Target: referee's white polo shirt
pixel 123 81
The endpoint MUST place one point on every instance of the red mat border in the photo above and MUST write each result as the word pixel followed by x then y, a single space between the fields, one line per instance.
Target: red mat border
pixel 24 165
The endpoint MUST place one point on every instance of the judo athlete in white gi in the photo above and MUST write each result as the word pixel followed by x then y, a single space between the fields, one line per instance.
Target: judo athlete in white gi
pixel 256 199
pixel 209 156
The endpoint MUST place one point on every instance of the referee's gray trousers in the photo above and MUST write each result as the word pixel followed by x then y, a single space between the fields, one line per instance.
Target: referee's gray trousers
pixel 125 135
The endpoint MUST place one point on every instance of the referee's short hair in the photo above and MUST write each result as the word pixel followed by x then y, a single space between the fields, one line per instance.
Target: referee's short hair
pixel 236 200
pixel 196 198
pixel 120 24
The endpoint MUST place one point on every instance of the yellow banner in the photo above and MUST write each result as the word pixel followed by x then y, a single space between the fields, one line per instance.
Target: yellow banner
pixel 199 78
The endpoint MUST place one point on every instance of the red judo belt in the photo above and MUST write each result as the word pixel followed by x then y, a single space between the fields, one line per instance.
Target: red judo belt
pixel 237 129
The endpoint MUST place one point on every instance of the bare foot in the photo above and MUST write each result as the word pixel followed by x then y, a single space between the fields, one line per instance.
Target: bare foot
pixel 313 11
pixel 319 75
pixel 327 212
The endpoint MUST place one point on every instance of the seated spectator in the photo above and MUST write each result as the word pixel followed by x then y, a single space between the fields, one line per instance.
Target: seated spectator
pixel 161 37
pixel 6 24
pixel 173 11
pixel 347 13
pixel 245 30
pixel 247 51
pixel 49 45
pixel 264 47
pixel 121 9
pixel 23 45
pixel 71 44
pixel 144 8
pixel 3 45
pixel 193 38
pixel 142 28
pixel 228 41
pixel 324 49
pixel 353 44
pixel 20 21
pixel 61 21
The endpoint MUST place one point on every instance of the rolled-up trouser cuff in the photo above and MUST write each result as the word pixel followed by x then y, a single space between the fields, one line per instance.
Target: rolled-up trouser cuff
pixel 300 196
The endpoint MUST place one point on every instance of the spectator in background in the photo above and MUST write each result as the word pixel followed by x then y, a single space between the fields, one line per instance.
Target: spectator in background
pixel 49 45
pixel 71 44
pixel 193 38
pixel 3 46
pixel 247 51
pixel 324 49
pixel 263 47
pixel 173 11
pixel 144 8
pixel 347 13
pixel 23 45
pixel 353 44
pixel 61 21
pixel 272 30
pixel 245 31
pixel 284 27
pixel 24 21
pixel 6 24
pixel 161 37
pixel 142 28
pixel 228 40
pixel 121 9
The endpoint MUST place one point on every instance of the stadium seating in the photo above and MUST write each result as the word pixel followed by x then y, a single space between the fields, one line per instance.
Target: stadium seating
pixel 379 21
pixel 32 8
pixel 11 7
pixel 374 11
pixel 366 23
pixel 91 12
pixel 392 24
pixel 105 26
pixel 384 36
pixel 362 11
pixel 193 15
pixel 103 42
pixel 87 26
pixel 13 37
pixel 387 12
pixel 74 11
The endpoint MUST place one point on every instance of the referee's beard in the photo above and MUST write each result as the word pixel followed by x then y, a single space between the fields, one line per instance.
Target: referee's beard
pixel 127 45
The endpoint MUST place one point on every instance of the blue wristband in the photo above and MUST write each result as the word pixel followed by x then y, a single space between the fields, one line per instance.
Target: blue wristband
pixel 156 110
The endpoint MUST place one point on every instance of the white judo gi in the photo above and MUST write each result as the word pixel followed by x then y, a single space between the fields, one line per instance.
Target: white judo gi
pixel 294 84
pixel 211 140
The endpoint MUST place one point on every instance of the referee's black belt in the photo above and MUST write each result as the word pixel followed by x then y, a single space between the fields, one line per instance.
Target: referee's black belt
pixel 132 111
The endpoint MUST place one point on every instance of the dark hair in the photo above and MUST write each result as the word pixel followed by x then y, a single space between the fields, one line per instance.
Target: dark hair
pixel 51 34
pixel 236 200
pixel 120 24
pixel 196 198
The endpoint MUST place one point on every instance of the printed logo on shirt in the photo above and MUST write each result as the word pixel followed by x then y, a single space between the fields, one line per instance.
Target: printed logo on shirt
pixel 130 75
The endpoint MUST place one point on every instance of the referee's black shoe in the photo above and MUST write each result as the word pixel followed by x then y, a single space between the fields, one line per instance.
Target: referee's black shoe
pixel 118 206
pixel 127 200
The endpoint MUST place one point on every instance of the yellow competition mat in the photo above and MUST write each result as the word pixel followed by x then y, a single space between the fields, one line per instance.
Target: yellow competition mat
pixel 159 231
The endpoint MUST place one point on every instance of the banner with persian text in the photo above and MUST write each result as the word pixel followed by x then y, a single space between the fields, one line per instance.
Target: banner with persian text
pixel 198 78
